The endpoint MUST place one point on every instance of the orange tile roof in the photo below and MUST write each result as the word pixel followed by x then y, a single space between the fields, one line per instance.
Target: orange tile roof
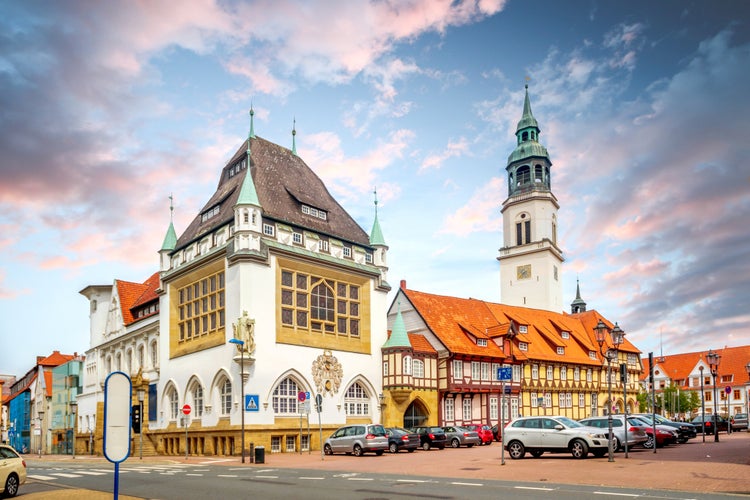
pixel 454 320
pixel 678 367
pixel 56 359
pixel 48 383
pixel 135 294
pixel 420 344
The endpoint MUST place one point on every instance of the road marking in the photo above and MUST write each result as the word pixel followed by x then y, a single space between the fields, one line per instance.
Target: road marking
pixel 267 477
pixel 65 474
pixel 467 484
pixel 40 477
pixel 532 488
pixel 360 479
pixel 91 473
pixel 615 494
pixel 308 477
pixel 226 475
pixel 189 474
pixel 412 481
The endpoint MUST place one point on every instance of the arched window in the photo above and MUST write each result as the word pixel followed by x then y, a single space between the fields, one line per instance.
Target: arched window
pixel 321 307
pixel 285 397
pixel 538 174
pixel 198 400
pixel 226 397
pixel 523 175
pixel 524 137
pixel 141 357
pixel 129 361
pixel 118 362
pixel 108 364
pixel 418 368
pixel 154 354
pixel 356 400
pixel 173 402
pixel 407 365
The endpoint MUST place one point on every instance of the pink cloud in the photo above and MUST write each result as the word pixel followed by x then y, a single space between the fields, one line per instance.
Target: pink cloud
pixel 480 213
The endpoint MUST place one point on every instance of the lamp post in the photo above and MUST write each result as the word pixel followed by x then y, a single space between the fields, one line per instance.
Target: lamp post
pixel 73 408
pixel 713 361
pixel 747 400
pixel 703 405
pixel 617 336
pixel 141 397
pixel 241 346
pixel 41 432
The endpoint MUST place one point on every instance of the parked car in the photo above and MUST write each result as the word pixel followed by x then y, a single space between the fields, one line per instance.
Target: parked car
pixel 431 437
pixel 556 434
pixel 711 423
pixel 496 432
pixel 636 434
pixel 739 422
pixel 685 430
pixel 664 434
pixel 357 440
pixel 12 471
pixel 484 431
pixel 461 436
pixel 401 439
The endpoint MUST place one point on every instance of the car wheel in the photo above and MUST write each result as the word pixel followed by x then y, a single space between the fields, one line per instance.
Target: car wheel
pixel 516 450
pixel 426 446
pixel 357 450
pixel 379 452
pixel 649 442
pixel 579 449
pixel 11 486
pixel 616 444
pixel 393 448
pixel 411 450
pixel 328 450
pixel 537 453
pixel 455 443
pixel 470 445
pixel 599 453
pixel 682 440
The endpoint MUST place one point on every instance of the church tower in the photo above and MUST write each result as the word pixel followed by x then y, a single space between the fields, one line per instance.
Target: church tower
pixel 530 259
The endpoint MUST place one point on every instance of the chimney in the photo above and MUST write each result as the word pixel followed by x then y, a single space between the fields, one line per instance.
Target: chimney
pixel 403 284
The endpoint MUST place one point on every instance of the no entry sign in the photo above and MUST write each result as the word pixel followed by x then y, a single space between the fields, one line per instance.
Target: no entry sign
pixel 186 409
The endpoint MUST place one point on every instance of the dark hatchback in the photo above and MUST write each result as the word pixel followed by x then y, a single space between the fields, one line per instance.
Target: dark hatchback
pixel 431 437
pixel 401 439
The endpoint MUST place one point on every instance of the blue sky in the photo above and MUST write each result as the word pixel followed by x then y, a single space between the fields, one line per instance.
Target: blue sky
pixel 108 107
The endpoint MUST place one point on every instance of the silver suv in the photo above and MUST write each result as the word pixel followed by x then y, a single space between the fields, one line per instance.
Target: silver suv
pixel 554 434
pixel 357 439
pixel 636 433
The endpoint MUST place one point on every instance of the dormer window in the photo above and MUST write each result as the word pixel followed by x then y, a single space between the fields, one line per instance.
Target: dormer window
pixel 592 354
pixel 323 245
pixel 482 342
pixel 211 212
pixel 347 252
pixel 523 346
pixel 269 230
pixel 314 212
pixel 565 335
pixel 237 168
pixel 561 351
pixel 297 238
pixel 368 258
pixel 523 329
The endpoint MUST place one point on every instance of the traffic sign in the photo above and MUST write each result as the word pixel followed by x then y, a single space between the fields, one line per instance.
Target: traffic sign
pixel 186 409
pixel 301 396
pixel 252 402
pixel 728 389
pixel 318 402
pixel 504 373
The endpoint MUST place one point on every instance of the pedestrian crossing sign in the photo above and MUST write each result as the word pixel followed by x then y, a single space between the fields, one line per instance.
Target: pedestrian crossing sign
pixel 252 402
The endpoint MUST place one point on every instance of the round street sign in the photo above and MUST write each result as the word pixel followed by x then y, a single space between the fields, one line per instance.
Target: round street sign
pixel 301 395
pixel 728 389
pixel 186 409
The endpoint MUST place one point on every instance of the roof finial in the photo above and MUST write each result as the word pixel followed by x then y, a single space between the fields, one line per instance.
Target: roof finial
pixel 375 192
pixel 252 131
pixel 171 207
pixel 294 140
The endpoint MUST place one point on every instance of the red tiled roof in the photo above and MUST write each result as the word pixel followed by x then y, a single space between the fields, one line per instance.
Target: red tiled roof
pixel 678 367
pixel 48 383
pixel 135 294
pixel 455 320
pixel 420 344
pixel 56 359
pixel 149 294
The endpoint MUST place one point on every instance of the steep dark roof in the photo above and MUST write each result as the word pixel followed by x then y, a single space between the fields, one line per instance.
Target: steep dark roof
pixel 283 181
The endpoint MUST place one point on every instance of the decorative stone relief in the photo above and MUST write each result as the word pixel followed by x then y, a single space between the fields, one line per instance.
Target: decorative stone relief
pixel 327 373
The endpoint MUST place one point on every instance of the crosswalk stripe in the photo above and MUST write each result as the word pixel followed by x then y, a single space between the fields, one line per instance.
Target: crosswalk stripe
pixel 65 474
pixel 91 473
pixel 40 477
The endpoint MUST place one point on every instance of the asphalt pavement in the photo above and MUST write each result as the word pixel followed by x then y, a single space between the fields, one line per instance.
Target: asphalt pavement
pixel 695 466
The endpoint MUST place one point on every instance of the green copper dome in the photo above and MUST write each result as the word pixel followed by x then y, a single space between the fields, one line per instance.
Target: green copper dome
pixel 399 337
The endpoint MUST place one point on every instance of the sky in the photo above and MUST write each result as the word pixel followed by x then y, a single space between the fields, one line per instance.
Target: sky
pixel 108 108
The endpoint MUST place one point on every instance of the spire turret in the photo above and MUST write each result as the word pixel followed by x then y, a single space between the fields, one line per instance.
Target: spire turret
pixel 399 337
pixel 578 305
pixel 170 239
pixel 376 235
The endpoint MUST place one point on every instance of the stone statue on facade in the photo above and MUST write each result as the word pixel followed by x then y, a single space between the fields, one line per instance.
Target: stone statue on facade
pixel 244 330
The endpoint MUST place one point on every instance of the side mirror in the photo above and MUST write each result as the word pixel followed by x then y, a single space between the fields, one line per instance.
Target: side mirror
pixel 559 427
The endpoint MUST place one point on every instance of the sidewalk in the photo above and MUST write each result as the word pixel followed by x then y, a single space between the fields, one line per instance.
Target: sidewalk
pixel 694 466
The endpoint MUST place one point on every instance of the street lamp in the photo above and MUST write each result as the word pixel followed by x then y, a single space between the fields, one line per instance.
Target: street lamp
pixel 747 367
pixel 141 396
pixel 73 408
pixel 713 361
pixel 703 405
pixel 241 346
pixel 617 336
pixel 41 431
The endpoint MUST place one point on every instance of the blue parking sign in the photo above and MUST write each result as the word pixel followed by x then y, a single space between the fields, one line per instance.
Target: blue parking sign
pixel 505 373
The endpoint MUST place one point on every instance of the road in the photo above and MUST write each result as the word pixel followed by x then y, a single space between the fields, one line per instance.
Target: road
pixel 693 470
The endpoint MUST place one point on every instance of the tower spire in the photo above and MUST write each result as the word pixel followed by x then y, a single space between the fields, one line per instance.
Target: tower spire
pixel 294 140
pixel 170 239
pixel 578 305
pixel 376 235
pixel 251 134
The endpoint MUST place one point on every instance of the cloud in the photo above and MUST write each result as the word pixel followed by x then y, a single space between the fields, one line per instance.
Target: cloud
pixel 480 213
pixel 455 148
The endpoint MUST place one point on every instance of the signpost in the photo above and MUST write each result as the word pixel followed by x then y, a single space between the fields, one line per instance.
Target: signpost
pixel 116 445
pixel 186 411
pixel 319 408
pixel 505 374
pixel 304 398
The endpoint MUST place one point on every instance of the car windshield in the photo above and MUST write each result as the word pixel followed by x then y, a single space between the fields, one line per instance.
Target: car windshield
pixel 377 430
pixel 568 422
